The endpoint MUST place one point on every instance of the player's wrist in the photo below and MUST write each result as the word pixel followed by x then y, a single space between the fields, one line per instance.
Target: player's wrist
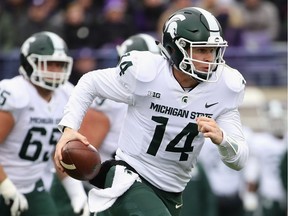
pixel 64 128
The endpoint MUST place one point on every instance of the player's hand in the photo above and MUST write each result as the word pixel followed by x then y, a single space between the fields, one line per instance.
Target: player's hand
pixel 68 134
pixel 77 195
pixel 210 129
pixel 13 197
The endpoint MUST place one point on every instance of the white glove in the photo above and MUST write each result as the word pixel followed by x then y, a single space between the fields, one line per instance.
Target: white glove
pixel 77 195
pixel 250 201
pixel 11 194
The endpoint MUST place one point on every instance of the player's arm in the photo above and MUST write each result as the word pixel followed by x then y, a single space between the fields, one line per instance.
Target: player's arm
pixel 101 83
pixel 6 125
pixel 79 101
pixel 228 136
pixel 93 130
pixel 115 84
pixel 226 131
pixel 11 100
pixel 7 189
pixel 95 126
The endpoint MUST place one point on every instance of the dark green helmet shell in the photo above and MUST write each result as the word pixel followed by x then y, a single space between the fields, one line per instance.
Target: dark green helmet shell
pixel 42 43
pixel 140 42
pixel 37 51
pixel 191 24
pixel 194 25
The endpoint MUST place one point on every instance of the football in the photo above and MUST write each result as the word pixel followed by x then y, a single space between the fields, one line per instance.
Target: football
pixel 80 161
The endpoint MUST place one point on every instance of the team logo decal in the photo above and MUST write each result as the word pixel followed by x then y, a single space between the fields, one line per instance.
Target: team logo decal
pixel 210 105
pixel 154 94
pixel 184 99
pixel 26 45
pixel 171 25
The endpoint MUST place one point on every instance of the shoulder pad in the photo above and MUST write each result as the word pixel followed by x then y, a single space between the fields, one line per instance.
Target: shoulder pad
pixel 137 66
pixel 67 88
pixel 233 79
pixel 12 95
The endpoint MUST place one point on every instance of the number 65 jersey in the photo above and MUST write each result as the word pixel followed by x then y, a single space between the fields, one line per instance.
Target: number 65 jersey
pixel 160 137
pixel 25 152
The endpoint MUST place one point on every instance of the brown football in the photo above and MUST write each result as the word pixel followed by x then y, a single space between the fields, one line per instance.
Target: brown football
pixel 80 161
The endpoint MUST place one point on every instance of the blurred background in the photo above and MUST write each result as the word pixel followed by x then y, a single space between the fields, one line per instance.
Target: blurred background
pixel 256 31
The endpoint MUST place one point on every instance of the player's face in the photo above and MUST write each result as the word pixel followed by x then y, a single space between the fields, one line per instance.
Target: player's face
pixel 204 54
pixel 54 66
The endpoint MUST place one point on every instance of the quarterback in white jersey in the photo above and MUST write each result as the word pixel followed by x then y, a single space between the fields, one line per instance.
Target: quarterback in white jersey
pixel 31 106
pixel 174 102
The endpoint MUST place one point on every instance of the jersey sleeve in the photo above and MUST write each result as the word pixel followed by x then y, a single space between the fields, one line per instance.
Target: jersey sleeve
pixel 233 149
pixel 118 84
pixel 136 68
pixel 99 83
pixel 235 83
pixel 11 98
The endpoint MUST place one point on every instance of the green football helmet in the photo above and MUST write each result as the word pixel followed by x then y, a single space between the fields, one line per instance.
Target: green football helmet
pixel 188 28
pixel 39 49
pixel 140 42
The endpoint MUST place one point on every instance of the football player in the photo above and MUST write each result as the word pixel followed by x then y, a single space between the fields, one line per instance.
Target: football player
pixel 31 106
pixel 175 100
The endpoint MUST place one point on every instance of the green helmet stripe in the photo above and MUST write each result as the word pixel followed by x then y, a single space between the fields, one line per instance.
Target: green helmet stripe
pixel 211 21
pixel 56 41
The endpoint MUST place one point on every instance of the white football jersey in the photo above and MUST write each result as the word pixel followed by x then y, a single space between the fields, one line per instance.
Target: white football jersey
pixel 116 113
pixel 25 153
pixel 160 137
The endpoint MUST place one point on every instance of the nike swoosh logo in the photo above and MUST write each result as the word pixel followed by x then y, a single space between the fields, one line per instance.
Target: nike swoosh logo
pixel 209 105
pixel 178 206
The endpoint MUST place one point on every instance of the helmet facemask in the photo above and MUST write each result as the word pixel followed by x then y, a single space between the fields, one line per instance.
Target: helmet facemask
pixel 40 75
pixel 187 66
pixel 37 52
pixel 188 29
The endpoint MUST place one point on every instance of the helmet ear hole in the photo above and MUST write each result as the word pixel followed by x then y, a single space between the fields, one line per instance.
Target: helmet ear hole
pixel 25 65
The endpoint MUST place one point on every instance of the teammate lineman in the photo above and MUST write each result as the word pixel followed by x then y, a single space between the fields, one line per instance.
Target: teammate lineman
pixel 31 106
pixel 174 102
